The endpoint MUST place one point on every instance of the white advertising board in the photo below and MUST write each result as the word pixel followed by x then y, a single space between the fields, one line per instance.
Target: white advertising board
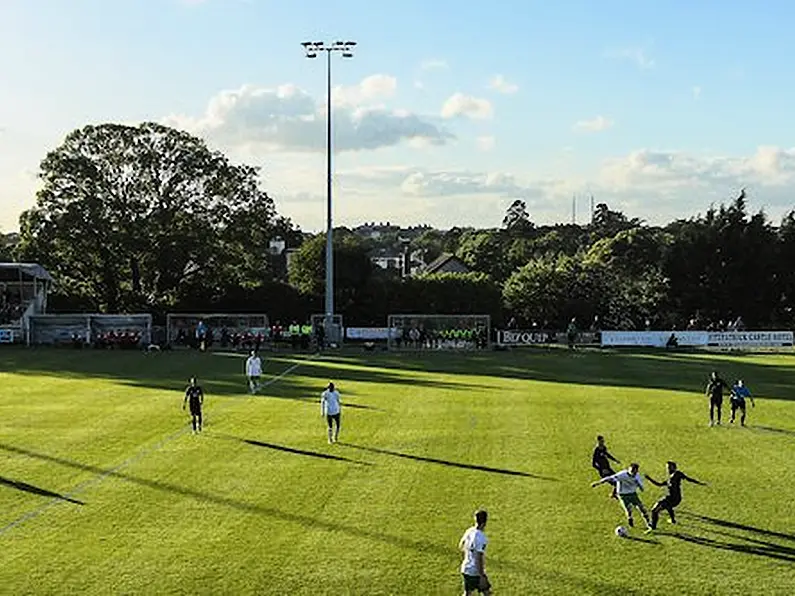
pixel 653 339
pixel 370 333
pixel 749 339
pixel 6 336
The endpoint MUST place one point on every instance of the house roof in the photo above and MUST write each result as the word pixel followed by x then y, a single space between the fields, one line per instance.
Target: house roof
pixel 441 261
pixel 11 271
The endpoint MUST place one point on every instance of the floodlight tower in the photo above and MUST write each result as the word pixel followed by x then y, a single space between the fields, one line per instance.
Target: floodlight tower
pixel 313 49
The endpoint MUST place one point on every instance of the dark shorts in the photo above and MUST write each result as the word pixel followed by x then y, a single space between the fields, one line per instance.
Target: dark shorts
pixel 738 404
pixel 332 418
pixel 605 472
pixel 195 410
pixel 472 583
pixel 669 502
pixel 716 401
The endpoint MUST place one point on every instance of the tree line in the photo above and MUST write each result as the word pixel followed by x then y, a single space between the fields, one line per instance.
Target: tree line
pixel 149 219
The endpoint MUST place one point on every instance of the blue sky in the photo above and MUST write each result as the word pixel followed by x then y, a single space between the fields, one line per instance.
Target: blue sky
pixel 448 112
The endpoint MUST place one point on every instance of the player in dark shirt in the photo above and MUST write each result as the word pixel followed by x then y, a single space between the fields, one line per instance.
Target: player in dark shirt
pixel 600 460
pixel 673 496
pixel 714 392
pixel 194 395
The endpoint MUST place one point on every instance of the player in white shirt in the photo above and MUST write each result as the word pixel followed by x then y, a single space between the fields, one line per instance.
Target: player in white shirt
pixel 330 407
pixel 628 482
pixel 473 568
pixel 253 371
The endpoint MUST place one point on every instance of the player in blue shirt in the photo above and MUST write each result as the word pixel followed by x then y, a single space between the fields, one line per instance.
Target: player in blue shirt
pixel 738 395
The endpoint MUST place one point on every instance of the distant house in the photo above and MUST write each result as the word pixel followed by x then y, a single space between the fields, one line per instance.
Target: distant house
pixel 375 231
pixel 446 263
pixel 387 258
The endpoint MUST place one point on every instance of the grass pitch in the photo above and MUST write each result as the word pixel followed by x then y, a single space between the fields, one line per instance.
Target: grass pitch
pixel 103 489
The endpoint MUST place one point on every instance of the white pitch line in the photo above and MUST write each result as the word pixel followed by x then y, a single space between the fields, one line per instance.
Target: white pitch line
pixel 80 488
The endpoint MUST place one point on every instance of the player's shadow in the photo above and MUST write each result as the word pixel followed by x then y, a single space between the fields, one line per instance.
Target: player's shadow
pixel 753 547
pixel 295 451
pixel 755 541
pixel 770 429
pixel 36 490
pixel 445 462
pixel 736 526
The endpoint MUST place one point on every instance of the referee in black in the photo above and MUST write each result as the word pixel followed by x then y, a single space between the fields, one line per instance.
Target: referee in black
pixel 714 392
pixel 194 395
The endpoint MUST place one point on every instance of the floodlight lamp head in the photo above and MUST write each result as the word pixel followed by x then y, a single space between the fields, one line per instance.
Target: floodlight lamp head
pixel 347 55
pixel 311 55
pixel 350 43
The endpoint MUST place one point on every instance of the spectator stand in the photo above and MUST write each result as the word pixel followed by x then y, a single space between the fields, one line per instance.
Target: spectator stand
pixel 23 293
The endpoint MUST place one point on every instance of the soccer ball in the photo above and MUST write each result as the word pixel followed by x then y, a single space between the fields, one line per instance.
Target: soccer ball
pixel 621 532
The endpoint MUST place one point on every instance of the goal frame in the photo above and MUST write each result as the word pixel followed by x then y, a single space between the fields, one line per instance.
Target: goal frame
pixel 235 322
pixel 397 323
pixel 337 335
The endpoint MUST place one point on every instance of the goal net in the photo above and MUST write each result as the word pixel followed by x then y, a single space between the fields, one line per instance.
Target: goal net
pixel 110 331
pixel 439 332
pixel 332 335
pixel 220 330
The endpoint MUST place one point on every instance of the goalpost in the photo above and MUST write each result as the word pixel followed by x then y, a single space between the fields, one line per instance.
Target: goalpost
pixel 225 330
pixel 333 335
pixel 439 332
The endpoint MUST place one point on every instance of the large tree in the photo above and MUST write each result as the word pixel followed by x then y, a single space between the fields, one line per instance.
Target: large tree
pixel 134 216
pixel 352 268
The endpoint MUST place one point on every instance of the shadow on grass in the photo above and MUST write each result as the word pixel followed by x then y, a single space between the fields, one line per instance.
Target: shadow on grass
pixel 444 462
pixel 772 551
pixel 751 542
pixel 770 429
pixel 430 548
pixel 43 492
pixel 736 526
pixel 295 451
pixel 223 376
pixel 220 376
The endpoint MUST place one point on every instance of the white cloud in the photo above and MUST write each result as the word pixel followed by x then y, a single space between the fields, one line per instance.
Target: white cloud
pixel 636 55
pixel 370 89
pixel 696 92
pixel 458 105
pixel 289 119
pixel 598 124
pixel 500 84
pixel 459 183
pixel 486 143
pixel 433 64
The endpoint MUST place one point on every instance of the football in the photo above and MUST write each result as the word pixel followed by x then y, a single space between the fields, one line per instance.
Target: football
pixel 621 532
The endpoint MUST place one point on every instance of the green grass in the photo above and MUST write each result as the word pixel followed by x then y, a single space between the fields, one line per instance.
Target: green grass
pixel 156 510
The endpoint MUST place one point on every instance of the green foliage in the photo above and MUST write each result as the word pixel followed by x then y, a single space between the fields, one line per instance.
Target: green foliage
pixel 131 217
pixel 451 293
pixel 352 269
pixel 724 264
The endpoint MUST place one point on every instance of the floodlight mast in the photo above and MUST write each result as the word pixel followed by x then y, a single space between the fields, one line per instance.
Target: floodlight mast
pixel 312 49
